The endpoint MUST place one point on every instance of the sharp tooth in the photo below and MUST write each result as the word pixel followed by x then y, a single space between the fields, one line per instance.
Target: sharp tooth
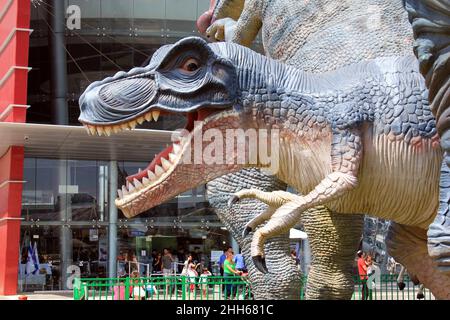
pixel 124 191
pixel 108 131
pixel 131 188
pixel 158 171
pixel 172 157
pixel 140 170
pixel 140 120
pixel 176 148
pixel 120 193
pixel 137 183
pixel 100 131
pixel 92 130
pixel 166 164
pixel 145 181
pixel 133 124
pixel 124 126
pixel 148 117
pixel 116 129
pixel 156 114
pixel 151 175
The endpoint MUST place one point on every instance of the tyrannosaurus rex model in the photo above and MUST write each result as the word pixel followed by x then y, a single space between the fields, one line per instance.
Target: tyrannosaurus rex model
pixel 316 36
pixel 358 139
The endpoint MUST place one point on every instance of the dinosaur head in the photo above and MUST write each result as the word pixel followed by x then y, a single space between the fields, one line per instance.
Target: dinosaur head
pixel 187 78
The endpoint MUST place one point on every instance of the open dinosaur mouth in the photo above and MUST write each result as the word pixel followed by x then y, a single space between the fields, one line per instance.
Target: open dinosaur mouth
pixel 163 163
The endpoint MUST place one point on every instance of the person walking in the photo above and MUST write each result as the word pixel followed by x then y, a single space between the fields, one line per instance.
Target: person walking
pixel 167 267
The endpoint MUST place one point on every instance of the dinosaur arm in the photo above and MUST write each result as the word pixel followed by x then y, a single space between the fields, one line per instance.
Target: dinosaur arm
pixel 249 23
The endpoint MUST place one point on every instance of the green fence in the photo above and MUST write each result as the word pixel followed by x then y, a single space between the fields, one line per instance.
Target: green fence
pixel 163 288
pixel 223 288
pixel 387 289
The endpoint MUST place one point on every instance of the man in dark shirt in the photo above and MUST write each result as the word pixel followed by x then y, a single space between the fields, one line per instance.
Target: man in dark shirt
pixel 167 267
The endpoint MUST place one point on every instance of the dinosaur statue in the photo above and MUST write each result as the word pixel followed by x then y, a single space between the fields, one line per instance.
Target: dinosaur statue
pixel 431 24
pixel 324 122
pixel 314 36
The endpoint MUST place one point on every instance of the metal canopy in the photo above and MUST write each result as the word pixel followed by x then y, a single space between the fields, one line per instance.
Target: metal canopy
pixel 71 142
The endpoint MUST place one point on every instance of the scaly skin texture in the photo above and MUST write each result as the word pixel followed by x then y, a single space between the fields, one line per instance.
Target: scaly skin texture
pixel 430 20
pixel 285 282
pixel 325 123
pixel 301 34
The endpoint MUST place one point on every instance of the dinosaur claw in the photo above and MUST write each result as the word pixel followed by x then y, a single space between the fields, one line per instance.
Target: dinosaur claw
pixel 401 285
pixel 246 231
pixel 234 199
pixel 260 264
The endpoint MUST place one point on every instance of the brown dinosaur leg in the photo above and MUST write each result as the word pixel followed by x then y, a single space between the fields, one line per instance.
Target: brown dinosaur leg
pixel 408 246
pixel 334 239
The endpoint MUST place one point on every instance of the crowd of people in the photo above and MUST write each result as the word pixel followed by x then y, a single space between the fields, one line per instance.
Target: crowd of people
pixel 196 267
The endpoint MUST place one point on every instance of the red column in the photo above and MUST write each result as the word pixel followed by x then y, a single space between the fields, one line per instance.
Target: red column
pixel 14 46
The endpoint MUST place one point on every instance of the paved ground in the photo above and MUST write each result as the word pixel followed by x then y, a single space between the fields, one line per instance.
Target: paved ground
pixel 42 296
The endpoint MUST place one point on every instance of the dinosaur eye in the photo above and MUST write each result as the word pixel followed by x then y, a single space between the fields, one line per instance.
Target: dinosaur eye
pixel 190 65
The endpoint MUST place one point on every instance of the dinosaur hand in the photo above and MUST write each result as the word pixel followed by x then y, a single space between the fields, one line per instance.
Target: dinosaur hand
pixel 221 30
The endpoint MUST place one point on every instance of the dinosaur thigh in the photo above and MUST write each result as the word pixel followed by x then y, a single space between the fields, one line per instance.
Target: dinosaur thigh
pixel 408 246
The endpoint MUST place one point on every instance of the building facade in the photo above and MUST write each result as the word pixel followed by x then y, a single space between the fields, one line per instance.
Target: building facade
pixel 57 184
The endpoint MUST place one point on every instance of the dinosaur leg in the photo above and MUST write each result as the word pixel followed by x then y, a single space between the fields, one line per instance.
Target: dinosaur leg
pixel 400 279
pixel 439 230
pixel 408 246
pixel 285 283
pixel 333 239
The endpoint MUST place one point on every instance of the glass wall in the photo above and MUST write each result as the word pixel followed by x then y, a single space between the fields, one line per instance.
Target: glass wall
pixel 115 35
pixel 66 202
pixel 65 208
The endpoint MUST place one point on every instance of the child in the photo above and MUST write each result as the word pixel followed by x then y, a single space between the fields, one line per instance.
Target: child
pixel 204 280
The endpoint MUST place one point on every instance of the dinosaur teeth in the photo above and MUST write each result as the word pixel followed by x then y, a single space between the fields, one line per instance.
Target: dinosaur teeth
pixel 116 129
pixel 140 120
pixel 92 130
pixel 151 175
pixel 101 131
pixel 131 188
pixel 132 124
pixel 158 171
pixel 124 191
pixel 124 126
pixel 166 164
pixel 145 181
pixel 137 184
pixel 148 117
pixel 156 114
pixel 108 131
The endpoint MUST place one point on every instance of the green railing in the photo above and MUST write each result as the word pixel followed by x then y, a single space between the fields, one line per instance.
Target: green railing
pixel 387 289
pixel 222 288
pixel 163 288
